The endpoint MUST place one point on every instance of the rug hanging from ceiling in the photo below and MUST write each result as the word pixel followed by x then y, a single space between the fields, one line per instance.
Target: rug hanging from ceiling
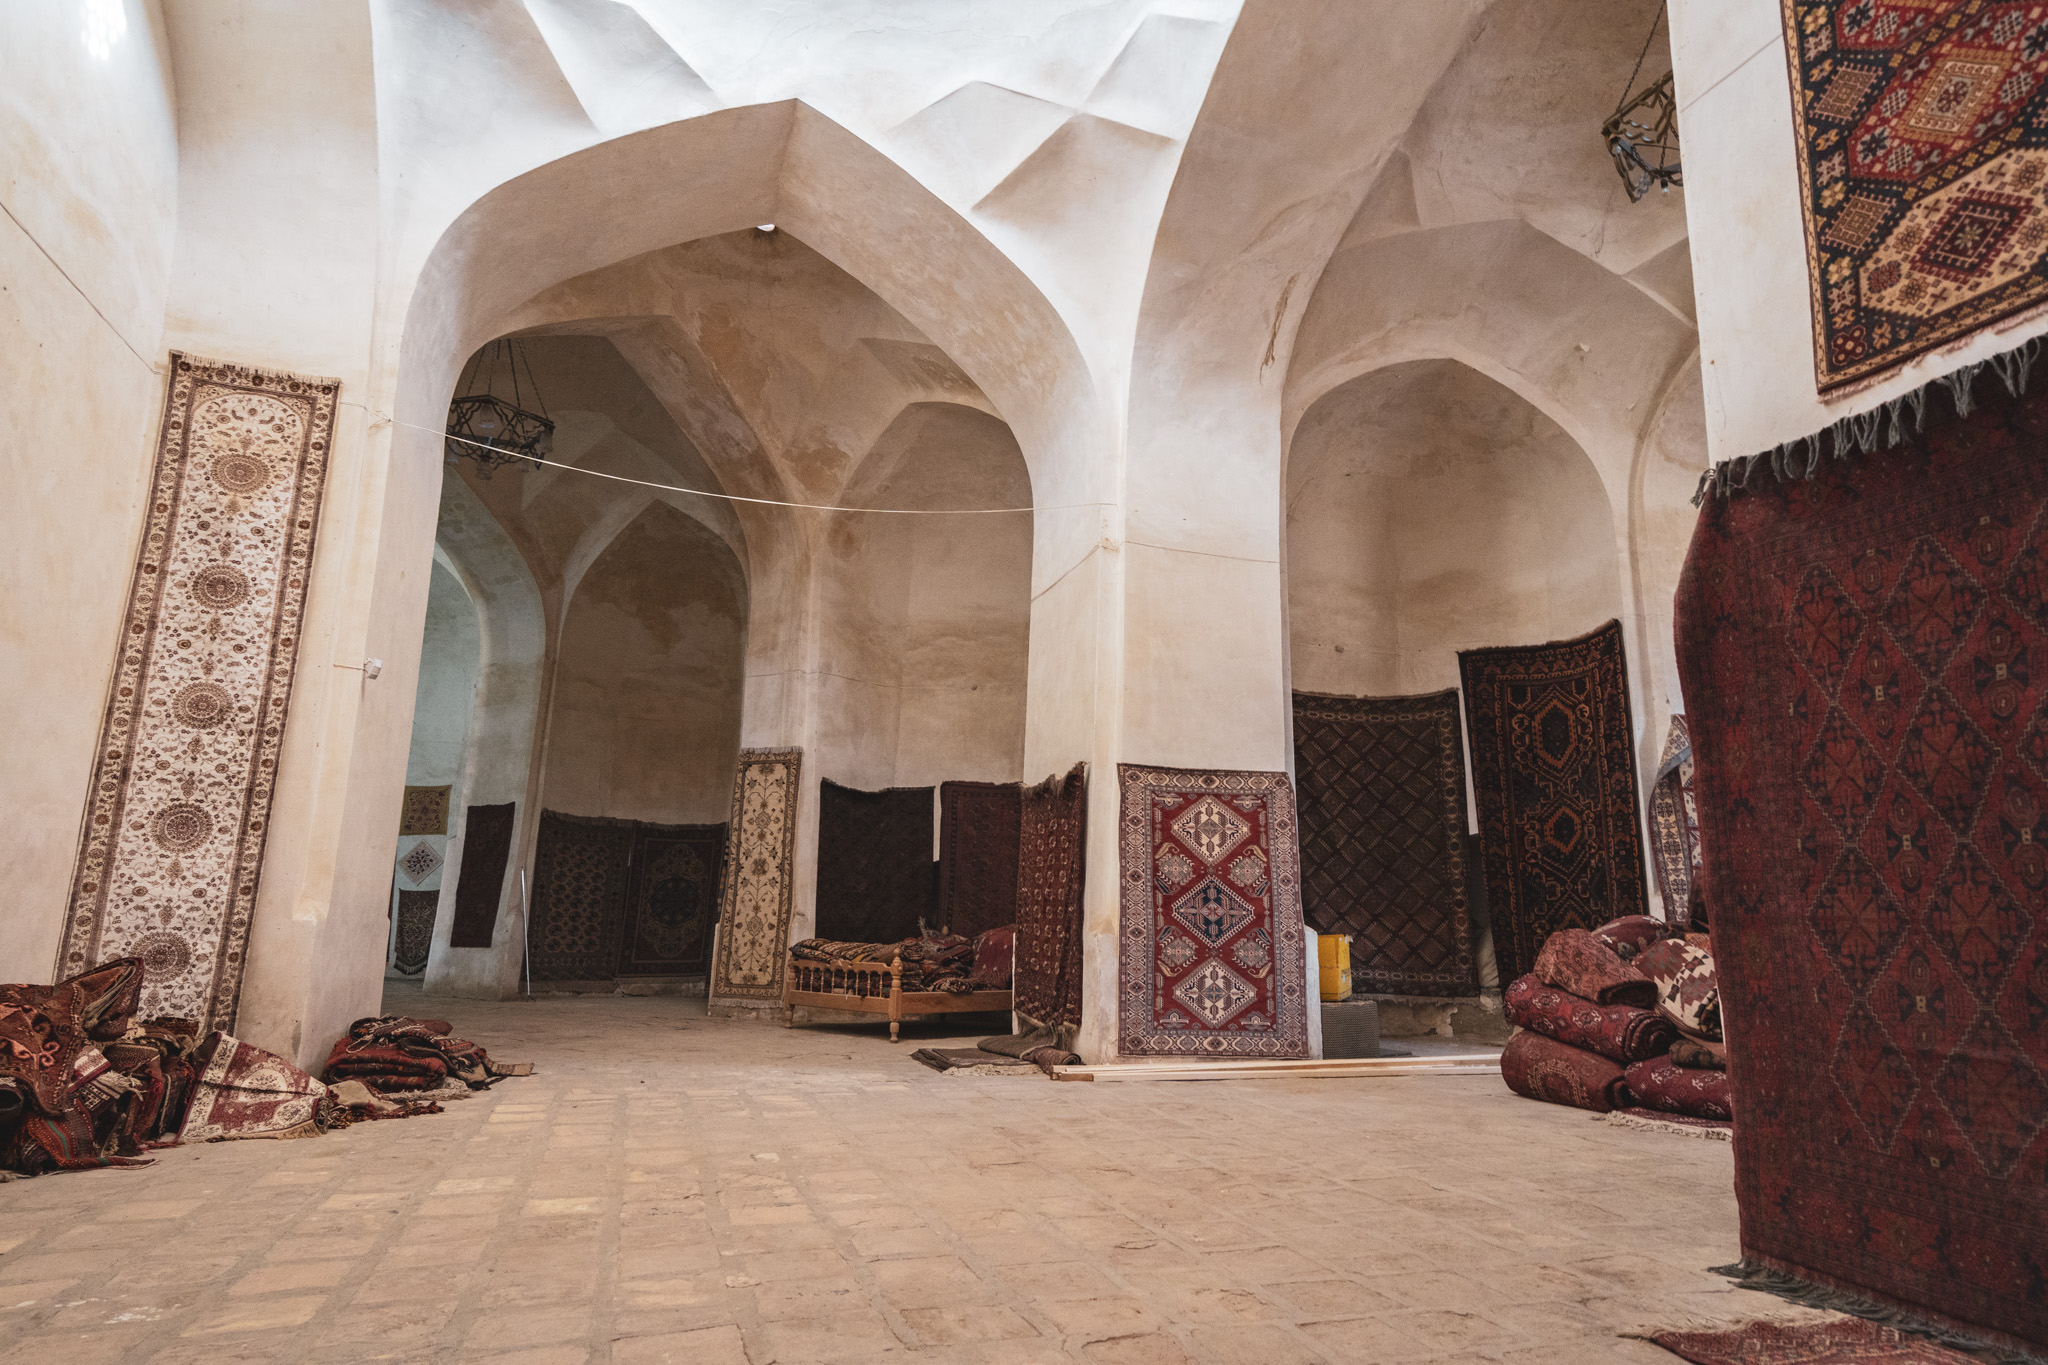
pixel 581 871
pixel 1052 847
pixel 480 882
pixel 1923 138
pixel 752 946
pixel 1554 772
pixel 1382 785
pixel 183 777
pixel 1210 947
pixel 874 863
pixel 978 842
pixel 1870 741
pixel 671 899
pixel 425 811
pixel 413 938
pixel 1675 824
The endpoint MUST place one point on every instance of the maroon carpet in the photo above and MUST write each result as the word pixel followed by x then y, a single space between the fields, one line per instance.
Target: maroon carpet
pixel 1660 1083
pixel 1554 776
pixel 875 882
pixel 1871 753
pixel 1052 844
pixel 1623 1033
pixel 1575 961
pixel 1845 1341
pixel 1544 1069
pixel 1211 954
pixel 486 845
pixel 978 830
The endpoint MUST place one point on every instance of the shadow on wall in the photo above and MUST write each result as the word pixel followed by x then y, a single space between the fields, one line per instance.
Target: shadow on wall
pixel 1429 510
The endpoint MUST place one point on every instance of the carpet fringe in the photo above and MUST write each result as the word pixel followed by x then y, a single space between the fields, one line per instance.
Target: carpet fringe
pixel 1621 1120
pixel 1763 1279
pixel 1879 429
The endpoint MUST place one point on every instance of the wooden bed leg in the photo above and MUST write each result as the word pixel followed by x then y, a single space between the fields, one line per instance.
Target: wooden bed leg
pixel 789 1016
pixel 895 999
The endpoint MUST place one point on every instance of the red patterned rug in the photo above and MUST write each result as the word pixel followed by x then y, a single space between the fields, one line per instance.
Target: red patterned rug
pixel 1382 784
pixel 1923 138
pixel 1554 773
pixel 671 899
pixel 1675 825
pixel 978 831
pixel 245 1092
pixel 1211 949
pixel 1871 746
pixel 1845 1341
pixel 1052 844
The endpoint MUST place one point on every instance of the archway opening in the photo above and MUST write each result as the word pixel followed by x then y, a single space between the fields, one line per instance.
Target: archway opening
pixel 1430 510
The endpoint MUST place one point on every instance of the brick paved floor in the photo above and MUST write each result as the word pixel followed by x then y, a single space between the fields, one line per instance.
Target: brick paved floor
pixel 672 1188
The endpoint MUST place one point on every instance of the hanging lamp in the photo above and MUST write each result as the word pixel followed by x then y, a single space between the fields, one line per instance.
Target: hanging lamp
pixel 487 428
pixel 1642 132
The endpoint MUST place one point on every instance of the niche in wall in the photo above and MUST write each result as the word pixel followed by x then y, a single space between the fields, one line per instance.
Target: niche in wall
pixel 1429 510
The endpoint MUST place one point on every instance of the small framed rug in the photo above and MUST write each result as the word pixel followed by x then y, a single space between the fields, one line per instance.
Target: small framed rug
pixel 1211 946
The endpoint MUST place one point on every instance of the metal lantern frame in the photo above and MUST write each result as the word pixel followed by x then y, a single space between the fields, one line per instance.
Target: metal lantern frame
pixel 487 429
pixel 1642 132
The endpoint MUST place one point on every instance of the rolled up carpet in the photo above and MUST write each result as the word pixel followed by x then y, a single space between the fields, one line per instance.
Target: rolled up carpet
pixel 1574 961
pixel 1687 989
pixel 1544 1069
pixel 1623 1033
pixel 1693 1052
pixel 1631 934
pixel 1661 1084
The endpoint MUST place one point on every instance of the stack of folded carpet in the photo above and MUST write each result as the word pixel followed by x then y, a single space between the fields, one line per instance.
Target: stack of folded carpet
pixel 84 1085
pixel 931 962
pixel 394 1055
pixel 1620 1019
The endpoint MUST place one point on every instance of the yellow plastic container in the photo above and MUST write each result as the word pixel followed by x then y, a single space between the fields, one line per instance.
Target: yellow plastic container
pixel 1333 964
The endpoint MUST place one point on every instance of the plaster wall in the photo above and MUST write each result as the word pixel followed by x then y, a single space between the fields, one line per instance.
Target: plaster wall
pixel 1432 510
pixel 88 184
pixel 646 702
pixel 451 651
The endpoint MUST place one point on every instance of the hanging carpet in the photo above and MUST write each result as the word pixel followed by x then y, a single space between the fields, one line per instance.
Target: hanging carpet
pixel 425 811
pixel 1553 768
pixel 580 873
pixel 1210 947
pixel 414 937
pixel 186 765
pixel 1052 846
pixel 752 948
pixel 671 900
pixel 1865 658
pixel 978 832
pixel 480 885
pixel 1922 128
pixel 1675 824
pixel 874 863
pixel 1382 786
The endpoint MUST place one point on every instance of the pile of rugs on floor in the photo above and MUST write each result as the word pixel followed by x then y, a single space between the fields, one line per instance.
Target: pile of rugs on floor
pixel 84 1084
pixel 1023 1054
pixel 931 962
pixel 1622 1020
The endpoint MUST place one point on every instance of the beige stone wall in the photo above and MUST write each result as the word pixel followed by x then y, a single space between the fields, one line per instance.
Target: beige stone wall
pixel 1431 510
pixel 88 176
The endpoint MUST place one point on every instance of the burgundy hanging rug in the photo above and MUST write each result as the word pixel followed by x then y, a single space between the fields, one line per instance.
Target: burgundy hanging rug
pixel 1211 953
pixel 1554 772
pixel 978 833
pixel 1051 861
pixel 1870 739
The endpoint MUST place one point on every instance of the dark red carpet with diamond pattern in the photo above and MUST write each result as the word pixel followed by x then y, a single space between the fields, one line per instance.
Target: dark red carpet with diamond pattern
pixel 1859 656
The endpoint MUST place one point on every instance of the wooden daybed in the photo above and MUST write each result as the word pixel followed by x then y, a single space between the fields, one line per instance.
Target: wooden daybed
pixel 874 988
